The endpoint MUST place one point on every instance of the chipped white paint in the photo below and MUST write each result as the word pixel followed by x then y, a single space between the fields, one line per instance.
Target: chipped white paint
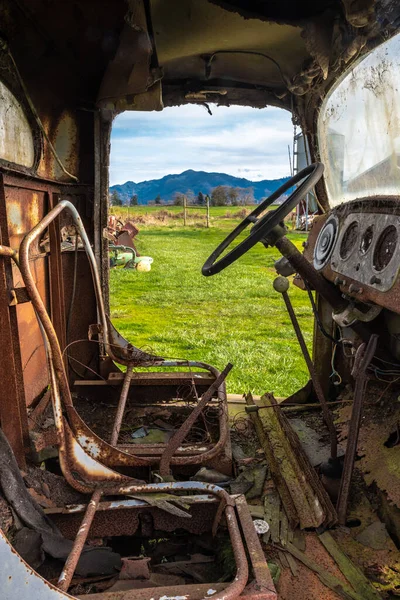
pixel 173 597
pixel 192 449
pixel 73 508
pixel 261 526
pixel 90 465
pixel 89 445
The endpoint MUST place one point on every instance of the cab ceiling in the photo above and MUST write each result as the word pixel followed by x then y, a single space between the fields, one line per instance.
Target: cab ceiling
pixel 260 52
pixel 187 33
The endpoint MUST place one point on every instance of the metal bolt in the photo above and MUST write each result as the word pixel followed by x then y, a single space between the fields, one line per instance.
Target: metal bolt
pixel 375 279
pixel 339 281
pixel 353 289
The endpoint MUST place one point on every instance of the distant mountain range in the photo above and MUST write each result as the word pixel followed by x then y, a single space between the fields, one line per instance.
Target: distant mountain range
pixel 196 181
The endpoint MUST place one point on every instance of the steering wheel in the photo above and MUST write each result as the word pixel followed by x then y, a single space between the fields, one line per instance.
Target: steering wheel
pixel 262 227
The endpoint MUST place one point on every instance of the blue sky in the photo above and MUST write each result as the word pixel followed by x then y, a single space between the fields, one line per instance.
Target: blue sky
pixel 240 141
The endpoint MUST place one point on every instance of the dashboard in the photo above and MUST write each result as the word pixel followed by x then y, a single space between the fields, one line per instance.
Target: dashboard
pixel 356 246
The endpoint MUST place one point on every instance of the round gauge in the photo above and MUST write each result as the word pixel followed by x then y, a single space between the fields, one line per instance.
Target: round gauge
pixel 349 240
pixel 325 242
pixel 385 248
pixel 366 239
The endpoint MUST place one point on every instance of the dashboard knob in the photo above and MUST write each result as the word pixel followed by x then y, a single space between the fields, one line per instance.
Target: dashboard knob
pixel 281 284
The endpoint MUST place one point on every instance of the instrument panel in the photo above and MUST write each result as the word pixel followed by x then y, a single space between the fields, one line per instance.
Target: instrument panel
pixel 357 247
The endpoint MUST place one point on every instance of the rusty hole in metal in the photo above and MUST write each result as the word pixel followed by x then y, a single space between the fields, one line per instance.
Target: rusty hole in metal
pixel 352 523
pixel 394 438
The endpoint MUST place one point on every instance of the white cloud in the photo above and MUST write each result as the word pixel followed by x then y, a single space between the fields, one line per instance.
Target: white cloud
pixel 240 141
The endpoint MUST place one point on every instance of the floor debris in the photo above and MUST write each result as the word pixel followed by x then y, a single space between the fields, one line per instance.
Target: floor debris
pixel 305 500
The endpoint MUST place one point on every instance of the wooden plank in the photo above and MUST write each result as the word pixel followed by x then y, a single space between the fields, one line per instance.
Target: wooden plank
pixel 274 464
pixel 272 505
pixel 283 528
pixel 152 378
pixel 299 540
pixel 283 559
pixel 292 564
pixel 353 574
pixel 334 584
pixel 195 375
pixel 256 511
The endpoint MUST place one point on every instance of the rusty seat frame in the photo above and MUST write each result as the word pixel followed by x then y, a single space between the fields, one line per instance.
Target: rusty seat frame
pixel 88 475
pixel 109 453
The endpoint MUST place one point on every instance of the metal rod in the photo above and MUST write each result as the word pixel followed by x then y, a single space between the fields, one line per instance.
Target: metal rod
pixel 364 355
pixel 64 581
pixel 184 429
pixel 9 252
pixel 121 406
pixel 261 571
pixel 281 284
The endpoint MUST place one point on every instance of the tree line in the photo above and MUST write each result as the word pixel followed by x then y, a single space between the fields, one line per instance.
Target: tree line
pixel 222 195
pixel 116 200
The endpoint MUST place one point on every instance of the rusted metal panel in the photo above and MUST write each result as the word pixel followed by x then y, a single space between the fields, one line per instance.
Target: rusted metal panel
pixel 13 415
pixel 18 580
pixel 125 521
pixel 32 353
pixel 25 208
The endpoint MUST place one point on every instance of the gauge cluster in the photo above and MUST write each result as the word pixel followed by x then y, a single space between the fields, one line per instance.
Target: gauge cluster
pixel 359 249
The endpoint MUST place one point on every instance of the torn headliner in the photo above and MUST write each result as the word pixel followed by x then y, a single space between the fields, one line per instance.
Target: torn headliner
pixel 312 42
pixel 188 33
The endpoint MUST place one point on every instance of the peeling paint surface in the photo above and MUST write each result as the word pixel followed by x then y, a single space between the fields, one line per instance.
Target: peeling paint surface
pixel 16 140
pixel 17 580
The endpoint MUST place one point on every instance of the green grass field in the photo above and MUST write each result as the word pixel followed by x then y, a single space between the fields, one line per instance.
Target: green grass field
pixel 234 316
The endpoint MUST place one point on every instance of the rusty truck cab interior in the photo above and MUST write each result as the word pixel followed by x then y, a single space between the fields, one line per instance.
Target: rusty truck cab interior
pixel 89 510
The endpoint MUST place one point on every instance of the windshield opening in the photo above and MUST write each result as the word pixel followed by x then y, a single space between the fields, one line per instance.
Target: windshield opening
pixel 359 128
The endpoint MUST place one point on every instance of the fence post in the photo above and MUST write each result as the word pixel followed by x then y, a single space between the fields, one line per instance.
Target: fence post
pixel 208 211
pixel 184 211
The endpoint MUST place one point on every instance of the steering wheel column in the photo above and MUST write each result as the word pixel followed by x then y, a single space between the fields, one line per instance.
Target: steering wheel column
pixel 325 288
pixel 306 270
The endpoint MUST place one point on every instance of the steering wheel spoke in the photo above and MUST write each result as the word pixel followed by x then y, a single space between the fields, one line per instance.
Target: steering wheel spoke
pixel 262 226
